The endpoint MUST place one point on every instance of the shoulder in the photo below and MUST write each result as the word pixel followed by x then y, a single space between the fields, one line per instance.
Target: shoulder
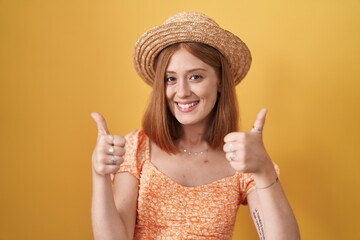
pixel 137 151
pixel 135 135
pixel 136 139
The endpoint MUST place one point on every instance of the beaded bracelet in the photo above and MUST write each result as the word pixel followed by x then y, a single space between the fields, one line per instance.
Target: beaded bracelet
pixel 276 180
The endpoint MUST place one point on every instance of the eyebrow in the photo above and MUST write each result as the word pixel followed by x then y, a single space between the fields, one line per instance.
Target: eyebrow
pixel 191 70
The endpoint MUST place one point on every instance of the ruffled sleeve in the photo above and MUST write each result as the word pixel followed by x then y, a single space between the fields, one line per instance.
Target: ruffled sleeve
pixel 136 152
pixel 248 184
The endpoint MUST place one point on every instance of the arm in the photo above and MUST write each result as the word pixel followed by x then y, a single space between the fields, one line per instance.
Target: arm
pixel 270 209
pixel 113 211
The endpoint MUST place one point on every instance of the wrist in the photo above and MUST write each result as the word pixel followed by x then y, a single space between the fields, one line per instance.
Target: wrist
pixel 270 185
pixel 99 176
pixel 266 177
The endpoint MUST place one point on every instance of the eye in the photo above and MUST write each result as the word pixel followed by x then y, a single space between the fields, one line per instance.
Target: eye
pixel 170 80
pixel 196 77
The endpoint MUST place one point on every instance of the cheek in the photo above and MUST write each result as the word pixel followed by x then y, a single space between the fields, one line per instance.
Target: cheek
pixel 211 96
pixel 168 93
pixel 213 99
pixel 169 96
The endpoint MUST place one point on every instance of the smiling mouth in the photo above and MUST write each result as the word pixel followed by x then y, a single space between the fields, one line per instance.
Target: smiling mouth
pixel 185 107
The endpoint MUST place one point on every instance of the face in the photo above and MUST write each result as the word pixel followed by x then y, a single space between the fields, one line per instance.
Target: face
pixel 191 88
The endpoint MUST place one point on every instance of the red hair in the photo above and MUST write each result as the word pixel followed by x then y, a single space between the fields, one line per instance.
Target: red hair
pixel 159 123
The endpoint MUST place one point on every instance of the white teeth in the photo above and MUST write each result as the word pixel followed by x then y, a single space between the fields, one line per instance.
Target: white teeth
pixel 186 106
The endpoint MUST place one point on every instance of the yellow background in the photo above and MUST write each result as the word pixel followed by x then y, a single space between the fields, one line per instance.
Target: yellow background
pixel 60 60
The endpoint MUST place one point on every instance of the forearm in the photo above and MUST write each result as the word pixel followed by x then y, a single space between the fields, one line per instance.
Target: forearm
pixel 273 212
pixel 106 221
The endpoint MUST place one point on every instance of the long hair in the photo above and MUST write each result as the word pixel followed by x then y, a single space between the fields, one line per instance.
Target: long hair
pixel 159 123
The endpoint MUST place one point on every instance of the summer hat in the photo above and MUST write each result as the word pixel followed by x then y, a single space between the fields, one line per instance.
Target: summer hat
pixel 190 27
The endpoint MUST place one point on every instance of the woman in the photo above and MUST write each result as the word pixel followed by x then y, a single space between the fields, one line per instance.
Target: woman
pixel 184 175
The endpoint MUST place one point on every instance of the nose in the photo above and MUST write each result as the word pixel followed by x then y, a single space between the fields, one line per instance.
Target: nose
pixel 183 89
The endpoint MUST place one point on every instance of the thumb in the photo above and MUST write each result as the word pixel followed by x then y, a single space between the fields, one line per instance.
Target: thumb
pixel 260 121
pixel 101 123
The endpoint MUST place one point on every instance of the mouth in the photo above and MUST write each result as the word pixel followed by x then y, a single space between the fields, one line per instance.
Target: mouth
pixel 186 106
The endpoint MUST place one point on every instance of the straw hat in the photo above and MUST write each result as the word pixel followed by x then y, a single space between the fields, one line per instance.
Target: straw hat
pixel 190 27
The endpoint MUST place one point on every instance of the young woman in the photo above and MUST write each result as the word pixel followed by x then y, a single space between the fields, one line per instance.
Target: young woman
pixel 184 175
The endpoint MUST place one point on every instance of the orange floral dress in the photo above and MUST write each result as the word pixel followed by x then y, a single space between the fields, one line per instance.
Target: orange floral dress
pixel 168 210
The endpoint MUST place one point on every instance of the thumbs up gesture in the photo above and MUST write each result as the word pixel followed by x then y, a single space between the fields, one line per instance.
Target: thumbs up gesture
pixel 109 150
pixel 245 150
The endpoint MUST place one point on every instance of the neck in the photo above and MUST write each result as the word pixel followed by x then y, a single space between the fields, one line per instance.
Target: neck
pixel 193 139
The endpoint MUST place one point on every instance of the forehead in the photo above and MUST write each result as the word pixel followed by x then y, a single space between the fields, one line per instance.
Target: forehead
pixel 183 60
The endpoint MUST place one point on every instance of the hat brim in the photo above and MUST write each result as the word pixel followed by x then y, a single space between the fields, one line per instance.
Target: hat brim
pixel 152 42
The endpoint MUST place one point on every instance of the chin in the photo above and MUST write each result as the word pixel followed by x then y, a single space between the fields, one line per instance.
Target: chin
pixel 190 121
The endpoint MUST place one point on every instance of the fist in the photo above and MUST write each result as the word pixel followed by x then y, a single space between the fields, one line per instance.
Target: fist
pixel 109 150
pixel 245 150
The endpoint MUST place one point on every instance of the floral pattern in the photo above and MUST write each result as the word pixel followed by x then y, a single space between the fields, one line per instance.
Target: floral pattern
pixel 168 210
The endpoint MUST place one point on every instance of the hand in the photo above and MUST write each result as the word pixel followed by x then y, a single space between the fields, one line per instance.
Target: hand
pixel 245 150
pixel 109 150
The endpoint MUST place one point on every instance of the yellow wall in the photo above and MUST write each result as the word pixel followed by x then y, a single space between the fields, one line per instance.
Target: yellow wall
pixel 60 60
